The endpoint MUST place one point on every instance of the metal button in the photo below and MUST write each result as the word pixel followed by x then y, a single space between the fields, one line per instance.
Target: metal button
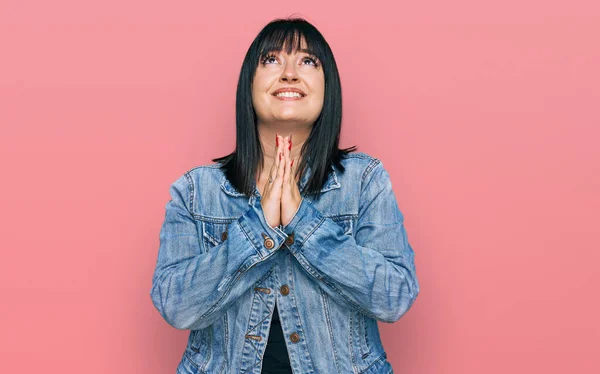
pixel 224 236
pixel 254 337
pixel 269 243
pixel 290 239
pixel 294 337
pixel 284 290
pixel 262 289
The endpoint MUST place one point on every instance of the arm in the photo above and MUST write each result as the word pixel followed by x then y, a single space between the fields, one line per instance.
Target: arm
pixel 372 272
pixel 191 289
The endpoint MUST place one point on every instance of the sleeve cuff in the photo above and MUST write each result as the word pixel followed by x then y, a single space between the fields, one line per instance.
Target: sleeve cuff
pixel 303 224
pixel 264 238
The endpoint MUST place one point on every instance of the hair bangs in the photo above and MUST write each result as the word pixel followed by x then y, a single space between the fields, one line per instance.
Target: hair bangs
pixel 290 37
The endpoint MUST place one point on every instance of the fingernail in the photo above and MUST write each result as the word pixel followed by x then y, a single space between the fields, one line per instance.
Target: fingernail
pixel 290 142
pixel 276 139
pixel 279 155
pixel 292 164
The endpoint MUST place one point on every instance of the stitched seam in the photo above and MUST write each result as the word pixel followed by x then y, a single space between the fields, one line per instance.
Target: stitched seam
pixel 191 193
pixel 213 219
pixel 351 343
pixel 310 233
pixel 300 321
pixel 373 363
pixel 226 333
pixel 250 240
pixel 367 344
pixel 209 348
pixel 370 167
pixel 330 328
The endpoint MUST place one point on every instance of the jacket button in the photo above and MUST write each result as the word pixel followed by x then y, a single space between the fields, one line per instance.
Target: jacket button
pixel 254 337
pixel 224 236
pixel 284 290
pixel 262 289
pixel 290 239
pixel 294 337
pixel 269 243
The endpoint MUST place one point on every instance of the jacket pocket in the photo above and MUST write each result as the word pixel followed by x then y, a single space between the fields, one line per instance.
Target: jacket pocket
pixel 213 234
pixel 199 350
pixel 345 222
pixel 360 336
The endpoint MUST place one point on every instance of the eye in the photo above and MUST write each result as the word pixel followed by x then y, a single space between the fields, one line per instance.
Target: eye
pixel 312 59
pixel 268 58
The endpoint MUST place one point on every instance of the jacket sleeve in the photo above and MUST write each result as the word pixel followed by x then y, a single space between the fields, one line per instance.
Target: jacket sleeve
pixel 191 288
pixel 372 272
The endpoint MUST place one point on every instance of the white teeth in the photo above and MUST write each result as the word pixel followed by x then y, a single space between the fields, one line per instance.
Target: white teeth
pixel 289 94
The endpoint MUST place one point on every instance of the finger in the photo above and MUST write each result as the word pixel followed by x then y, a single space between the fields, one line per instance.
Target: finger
pixel 275 150
pixel 287 169
pixel 272 175
pixel 276 157
pixel 295 167
pixel 289 177
pixel 277 162
pixel 279 155
pixel 280 167
pixel 273 168
pixel 277 141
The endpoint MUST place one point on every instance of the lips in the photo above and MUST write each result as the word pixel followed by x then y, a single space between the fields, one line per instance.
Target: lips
pixel 288 89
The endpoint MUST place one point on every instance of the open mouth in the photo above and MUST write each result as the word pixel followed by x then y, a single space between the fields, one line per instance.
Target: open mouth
pixel 289 95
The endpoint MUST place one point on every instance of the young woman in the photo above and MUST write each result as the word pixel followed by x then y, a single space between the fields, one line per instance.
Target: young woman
pixel 282 256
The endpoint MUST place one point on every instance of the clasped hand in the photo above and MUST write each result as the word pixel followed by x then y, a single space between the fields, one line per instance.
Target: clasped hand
pixel 281 196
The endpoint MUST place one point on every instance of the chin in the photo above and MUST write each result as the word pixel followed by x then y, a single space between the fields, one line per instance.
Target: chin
pixel 290 119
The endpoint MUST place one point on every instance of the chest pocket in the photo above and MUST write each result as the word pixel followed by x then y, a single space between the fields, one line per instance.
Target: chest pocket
pixel 346 223
pixel 214 233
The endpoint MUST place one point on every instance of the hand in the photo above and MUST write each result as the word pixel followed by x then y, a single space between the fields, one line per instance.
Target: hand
pixel 291 198
pixel 272 191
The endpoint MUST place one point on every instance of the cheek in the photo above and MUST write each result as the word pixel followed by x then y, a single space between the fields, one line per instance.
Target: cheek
pixel 257 93
pixel 260 88
pixel 319 93
pixel 318 87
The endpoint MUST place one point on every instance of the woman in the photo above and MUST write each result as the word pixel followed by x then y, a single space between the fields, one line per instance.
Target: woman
pixel 282 256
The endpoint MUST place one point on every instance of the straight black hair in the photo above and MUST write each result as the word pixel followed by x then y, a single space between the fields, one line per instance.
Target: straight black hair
pixel 320 151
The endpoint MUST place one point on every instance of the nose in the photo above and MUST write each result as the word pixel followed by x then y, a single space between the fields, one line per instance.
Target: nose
pixel 289 74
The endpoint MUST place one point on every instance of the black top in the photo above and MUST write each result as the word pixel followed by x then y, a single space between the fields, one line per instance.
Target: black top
pixel 276 359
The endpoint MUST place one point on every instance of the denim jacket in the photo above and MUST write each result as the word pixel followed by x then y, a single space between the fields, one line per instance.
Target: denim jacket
pixel 341 264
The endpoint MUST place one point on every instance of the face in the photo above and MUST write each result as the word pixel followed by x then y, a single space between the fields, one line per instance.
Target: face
pixel 300 71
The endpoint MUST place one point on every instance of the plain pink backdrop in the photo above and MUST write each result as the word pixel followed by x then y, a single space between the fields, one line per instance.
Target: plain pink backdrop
pixel 486 115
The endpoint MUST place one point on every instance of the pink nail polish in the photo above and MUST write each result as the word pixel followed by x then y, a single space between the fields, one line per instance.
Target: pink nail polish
pixel 290 142
pixel 276 140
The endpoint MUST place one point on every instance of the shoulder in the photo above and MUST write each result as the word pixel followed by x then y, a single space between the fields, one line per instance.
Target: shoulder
pixel 187 186
pixel 361 164
pixel 212 168
pixel 204 174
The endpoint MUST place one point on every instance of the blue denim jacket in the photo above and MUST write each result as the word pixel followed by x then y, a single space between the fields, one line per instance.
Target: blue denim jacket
pixel 342 264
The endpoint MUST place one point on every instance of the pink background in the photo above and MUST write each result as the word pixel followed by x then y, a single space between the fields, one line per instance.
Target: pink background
pixel 485 114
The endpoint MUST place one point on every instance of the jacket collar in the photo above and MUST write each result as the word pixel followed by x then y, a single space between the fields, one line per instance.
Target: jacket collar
pixel 331 183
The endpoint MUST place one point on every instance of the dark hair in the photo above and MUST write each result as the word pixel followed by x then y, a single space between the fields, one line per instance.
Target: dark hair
pixel 320 151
